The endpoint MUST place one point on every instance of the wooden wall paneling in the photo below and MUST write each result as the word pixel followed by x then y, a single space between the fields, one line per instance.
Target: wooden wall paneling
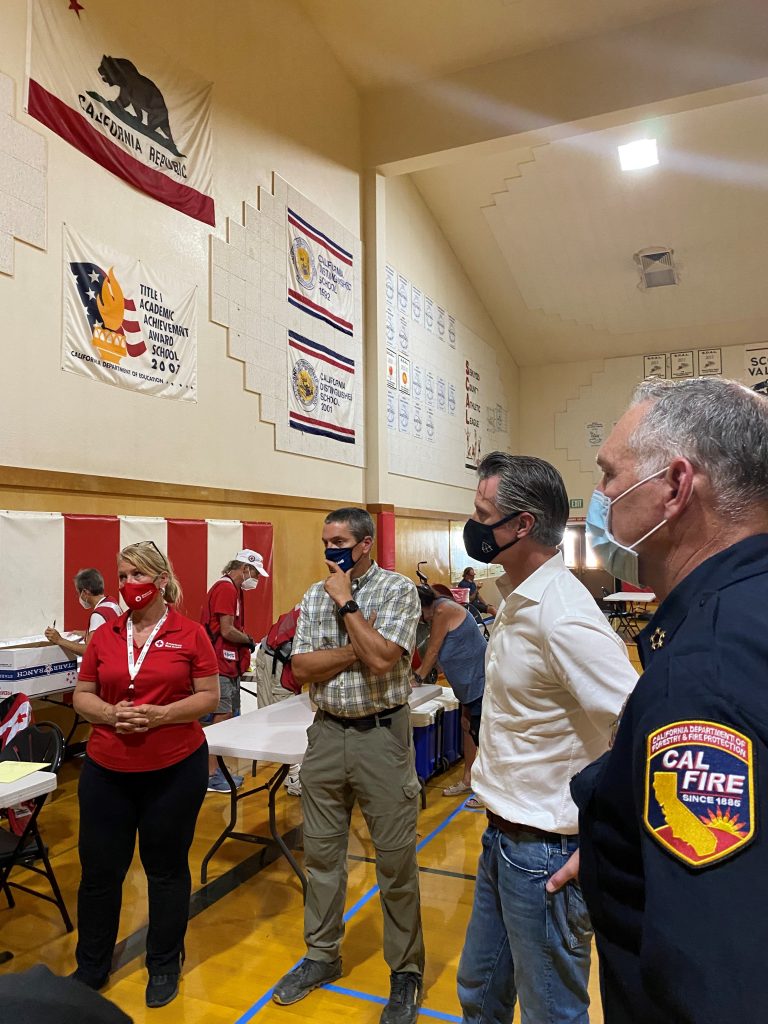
pixel 423 540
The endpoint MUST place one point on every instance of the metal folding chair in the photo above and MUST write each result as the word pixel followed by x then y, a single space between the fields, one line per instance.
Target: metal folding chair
pixel 619 616
pixel 43 742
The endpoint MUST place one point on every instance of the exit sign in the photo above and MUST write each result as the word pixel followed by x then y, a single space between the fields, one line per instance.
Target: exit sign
pixel 576 503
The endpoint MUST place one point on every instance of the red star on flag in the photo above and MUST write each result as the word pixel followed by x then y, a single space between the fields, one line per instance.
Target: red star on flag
pixel 76 7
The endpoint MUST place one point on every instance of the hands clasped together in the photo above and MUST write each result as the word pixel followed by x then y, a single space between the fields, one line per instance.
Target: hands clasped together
pixel 129 717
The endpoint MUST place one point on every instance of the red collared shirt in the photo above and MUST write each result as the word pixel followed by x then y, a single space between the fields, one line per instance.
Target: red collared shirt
pixel 180 653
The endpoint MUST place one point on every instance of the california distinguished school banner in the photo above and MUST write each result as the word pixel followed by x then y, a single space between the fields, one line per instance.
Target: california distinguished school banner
pixel 321 390
pixel 132 110
pixel 127 325
pixel 320 275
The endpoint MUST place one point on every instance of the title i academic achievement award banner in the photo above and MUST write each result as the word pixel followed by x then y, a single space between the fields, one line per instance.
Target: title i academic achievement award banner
pixel 127 325
pixel 132 110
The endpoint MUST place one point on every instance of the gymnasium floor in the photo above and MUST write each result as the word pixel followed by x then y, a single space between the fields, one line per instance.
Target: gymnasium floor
pixel 246 928
pixel 241 943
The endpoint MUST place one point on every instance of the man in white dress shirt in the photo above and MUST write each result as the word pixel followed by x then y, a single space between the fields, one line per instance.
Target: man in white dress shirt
pixel 556 678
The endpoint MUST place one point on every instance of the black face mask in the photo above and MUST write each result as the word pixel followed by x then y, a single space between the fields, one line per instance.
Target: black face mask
pixel 480 541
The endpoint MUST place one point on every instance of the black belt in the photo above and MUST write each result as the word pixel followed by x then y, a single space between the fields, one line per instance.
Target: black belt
pixel 511 828
pixel 380 719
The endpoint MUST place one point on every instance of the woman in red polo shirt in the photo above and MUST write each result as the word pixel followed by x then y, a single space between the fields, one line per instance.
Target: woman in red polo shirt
pixel 146 679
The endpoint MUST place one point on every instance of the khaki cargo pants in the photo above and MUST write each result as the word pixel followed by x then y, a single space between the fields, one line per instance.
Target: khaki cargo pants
pixel 376 767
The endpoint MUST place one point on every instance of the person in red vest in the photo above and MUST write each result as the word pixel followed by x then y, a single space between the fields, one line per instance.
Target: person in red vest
pixel 224 618
pixel 89 584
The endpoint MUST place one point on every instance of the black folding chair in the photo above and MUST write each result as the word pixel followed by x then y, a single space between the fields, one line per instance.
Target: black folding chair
pixel 44 743
pixel 619 616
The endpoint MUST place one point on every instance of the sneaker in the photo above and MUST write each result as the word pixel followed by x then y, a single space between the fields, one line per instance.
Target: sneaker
pixel 299 982
pixel 293 784
pixel 405 994
pixel 97 984
pixel 161 989
pixel 218 784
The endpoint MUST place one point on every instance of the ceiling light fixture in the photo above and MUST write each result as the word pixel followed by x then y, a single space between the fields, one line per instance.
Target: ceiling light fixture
pixel 636 155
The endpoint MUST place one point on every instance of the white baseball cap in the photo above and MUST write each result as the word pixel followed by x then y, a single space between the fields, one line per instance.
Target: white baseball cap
pixel 252 558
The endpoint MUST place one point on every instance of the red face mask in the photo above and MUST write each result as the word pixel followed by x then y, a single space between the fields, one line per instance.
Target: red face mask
pixel 138 595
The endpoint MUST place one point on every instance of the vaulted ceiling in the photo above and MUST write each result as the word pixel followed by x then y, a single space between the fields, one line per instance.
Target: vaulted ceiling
pixel 383 43
pixel 508 114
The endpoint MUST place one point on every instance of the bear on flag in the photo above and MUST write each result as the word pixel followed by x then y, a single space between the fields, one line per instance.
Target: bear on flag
pixel 132 110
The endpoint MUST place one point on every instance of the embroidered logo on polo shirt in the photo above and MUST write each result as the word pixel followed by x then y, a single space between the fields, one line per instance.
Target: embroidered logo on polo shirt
pixel 169 645
pixel 159 643
pixel 699 790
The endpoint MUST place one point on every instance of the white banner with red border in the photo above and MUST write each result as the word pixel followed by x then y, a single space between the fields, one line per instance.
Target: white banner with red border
pixel 321 390
pixel 133 110
pixel 320 275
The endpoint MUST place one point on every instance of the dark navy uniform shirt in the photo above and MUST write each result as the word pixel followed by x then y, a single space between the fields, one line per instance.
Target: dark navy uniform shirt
pixel 674 818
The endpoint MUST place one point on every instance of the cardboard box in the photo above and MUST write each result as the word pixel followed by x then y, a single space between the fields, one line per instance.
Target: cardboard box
pixel 36 668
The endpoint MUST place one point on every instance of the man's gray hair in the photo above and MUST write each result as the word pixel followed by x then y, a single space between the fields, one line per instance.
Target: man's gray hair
pixel 719 425
pixel 358 520
pixel 90 580
pixel 528 484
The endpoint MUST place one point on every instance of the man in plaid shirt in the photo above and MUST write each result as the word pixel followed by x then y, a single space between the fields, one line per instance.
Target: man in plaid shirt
pixel 353 645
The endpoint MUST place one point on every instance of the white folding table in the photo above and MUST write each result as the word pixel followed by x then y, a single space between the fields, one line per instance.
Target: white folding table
pixel 624 602
pixel 277 733
pixel 12 793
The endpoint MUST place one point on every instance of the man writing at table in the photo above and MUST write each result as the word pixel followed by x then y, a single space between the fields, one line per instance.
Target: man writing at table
pixel 353 645
pixel 89 584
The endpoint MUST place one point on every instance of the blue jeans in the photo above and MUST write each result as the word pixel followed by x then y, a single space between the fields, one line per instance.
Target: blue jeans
pixel 523 941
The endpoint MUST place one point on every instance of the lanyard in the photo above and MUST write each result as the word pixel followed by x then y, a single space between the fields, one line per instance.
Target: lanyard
pixel 134 668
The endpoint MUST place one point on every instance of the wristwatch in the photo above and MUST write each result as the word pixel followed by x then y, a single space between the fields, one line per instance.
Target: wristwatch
pixel 350 606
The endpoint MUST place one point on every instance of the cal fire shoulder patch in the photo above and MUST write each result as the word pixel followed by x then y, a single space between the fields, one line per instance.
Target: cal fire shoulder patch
pixel 699 790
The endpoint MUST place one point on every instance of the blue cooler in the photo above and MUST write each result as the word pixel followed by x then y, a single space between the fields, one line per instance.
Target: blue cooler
pixel 453 734
pixel 426 720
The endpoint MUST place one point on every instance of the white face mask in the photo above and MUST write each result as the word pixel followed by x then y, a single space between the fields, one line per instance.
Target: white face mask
pixel 83 602
pixel 250 584
pixel 615 558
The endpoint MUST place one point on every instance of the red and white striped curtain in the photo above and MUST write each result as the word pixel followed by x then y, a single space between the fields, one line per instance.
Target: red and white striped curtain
pixel 41 552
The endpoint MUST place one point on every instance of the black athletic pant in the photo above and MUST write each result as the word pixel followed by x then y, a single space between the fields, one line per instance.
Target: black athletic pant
pixel 162 807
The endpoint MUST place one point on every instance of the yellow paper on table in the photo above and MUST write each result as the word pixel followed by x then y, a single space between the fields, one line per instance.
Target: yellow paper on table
pixel 12 771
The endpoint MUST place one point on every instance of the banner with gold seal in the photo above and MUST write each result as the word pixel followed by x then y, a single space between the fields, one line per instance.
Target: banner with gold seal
pixel 127 325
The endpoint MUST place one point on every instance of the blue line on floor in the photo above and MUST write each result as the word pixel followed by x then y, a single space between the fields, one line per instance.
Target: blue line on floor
pixel 262 1002
pixel 355 994
pixel 423 1012
pixel 440 827
pixel 256 1007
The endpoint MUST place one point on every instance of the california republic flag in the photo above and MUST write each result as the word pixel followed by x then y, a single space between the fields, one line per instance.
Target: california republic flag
pixel 134 111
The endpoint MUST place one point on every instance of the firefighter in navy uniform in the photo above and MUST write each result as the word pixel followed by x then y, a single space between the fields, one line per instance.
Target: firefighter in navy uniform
pixel 673 819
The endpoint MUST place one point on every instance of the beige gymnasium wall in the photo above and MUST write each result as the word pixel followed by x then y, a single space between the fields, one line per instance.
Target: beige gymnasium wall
pixel 280 103
pixel 416 246
pixel 559 401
